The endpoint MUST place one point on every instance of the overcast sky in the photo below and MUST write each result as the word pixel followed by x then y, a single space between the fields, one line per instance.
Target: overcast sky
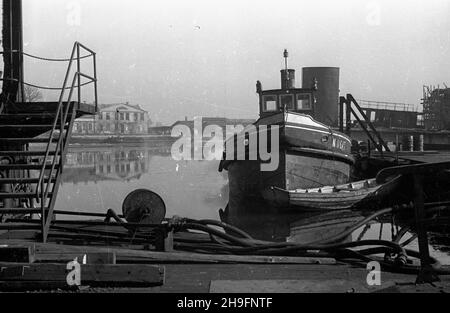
pixel 181 58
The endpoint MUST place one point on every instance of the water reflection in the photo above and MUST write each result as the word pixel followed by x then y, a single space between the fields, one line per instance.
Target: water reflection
pixel 107 163
pixel 98 177
pixel 340 226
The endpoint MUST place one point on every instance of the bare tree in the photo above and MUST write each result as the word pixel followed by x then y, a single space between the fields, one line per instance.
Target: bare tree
pixel 32 94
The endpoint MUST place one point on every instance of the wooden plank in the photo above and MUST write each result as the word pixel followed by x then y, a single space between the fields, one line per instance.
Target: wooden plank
pixel 21 236
pixel 128 255
pixel 14 253
pixel 101 258
pixel 90 274
pixel 143 256
pixel 21 286
pixel 293 286
pixel 183 278
pixel 90 258
pixel 210 258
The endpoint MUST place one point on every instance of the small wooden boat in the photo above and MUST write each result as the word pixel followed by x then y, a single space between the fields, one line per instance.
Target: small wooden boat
pixel 339 197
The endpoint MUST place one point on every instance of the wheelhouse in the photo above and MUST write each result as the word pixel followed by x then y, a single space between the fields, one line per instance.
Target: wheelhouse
pixel 287 98
pixel 292 100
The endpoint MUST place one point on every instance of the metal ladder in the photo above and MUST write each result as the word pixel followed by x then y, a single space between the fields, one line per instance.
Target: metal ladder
pixel 30 179
pixel 366 125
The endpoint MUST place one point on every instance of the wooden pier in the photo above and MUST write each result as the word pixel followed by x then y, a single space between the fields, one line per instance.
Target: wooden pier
pixel 149 271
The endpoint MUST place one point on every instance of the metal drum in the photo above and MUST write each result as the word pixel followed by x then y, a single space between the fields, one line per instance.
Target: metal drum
pixel 143 206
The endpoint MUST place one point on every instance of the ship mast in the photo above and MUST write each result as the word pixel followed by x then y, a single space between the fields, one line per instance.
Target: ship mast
pixel 285 55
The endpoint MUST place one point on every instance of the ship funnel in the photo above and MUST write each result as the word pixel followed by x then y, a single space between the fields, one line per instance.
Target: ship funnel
pixel 287 79
pixel 326 108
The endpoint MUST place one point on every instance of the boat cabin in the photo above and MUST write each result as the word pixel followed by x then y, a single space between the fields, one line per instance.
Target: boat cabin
pixel 287 98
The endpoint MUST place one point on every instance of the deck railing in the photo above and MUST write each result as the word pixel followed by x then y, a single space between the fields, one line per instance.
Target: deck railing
pixel 391 106
pixel 61 119
pixel 61 116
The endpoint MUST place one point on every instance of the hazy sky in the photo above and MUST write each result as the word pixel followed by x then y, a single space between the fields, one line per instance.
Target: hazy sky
pixel 187 58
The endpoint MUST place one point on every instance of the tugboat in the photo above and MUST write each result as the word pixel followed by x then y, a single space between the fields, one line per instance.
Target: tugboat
pixel 311 153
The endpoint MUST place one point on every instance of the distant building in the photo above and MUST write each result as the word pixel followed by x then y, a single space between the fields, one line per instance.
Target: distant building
pixel 222 122
pixel 122 118
pixel 160 130
pixel 436 108
pixel 390 114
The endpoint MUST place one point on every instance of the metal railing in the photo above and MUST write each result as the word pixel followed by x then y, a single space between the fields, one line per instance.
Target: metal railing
pixel 345 105
pixel 391 106
pixel 61 118
pixel 77 46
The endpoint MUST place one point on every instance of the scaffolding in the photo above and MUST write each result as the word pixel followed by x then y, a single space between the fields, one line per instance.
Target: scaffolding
pixel 436 107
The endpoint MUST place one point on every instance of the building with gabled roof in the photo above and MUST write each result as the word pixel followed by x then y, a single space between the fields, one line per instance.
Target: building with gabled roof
pixel 114 119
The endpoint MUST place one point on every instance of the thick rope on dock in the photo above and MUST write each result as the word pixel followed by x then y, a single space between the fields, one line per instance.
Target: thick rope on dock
pixel 216 237
pixel 396 257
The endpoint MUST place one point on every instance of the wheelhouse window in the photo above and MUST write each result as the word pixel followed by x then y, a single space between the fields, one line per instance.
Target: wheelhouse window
pixel 270 103
pixel 287 101
pixel 304 101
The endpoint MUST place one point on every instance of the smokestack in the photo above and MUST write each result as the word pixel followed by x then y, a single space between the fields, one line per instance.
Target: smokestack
pixel 287 79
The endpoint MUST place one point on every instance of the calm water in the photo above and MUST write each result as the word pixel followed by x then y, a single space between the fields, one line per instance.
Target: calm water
pixel 98 177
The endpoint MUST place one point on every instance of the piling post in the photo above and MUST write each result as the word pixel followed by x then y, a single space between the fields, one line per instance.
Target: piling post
pixel 411 143
pixel 426 274
pixel 348 117
pixel 421 141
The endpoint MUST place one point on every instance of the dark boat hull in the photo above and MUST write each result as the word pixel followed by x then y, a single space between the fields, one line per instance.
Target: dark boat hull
pixel 310 155
pixel 247 182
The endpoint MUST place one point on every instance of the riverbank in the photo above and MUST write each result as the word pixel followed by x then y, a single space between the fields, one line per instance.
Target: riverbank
pixel 101 139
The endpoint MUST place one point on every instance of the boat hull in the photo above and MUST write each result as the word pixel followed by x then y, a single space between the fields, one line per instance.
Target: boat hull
pixel 247 183
pixel 310 155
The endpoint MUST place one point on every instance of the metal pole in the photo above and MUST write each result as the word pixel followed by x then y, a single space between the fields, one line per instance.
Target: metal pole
pixel 397 148
pixel 43 219
pixel 348 122
pixel 426 274
pixel 341 114
pixel 95 81
pixel 79 71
